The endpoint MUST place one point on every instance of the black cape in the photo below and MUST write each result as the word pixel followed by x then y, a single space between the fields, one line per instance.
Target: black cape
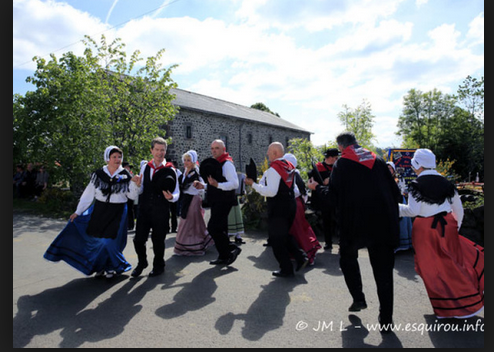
pixel 366 202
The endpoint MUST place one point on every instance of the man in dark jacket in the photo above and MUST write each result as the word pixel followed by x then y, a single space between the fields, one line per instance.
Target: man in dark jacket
pixel 366 199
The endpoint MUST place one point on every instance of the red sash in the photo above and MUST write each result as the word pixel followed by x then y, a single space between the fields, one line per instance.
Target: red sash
pixel 286 171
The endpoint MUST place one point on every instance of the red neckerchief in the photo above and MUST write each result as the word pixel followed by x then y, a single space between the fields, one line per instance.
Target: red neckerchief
pixel 286 171
pixel 162 166
pixel 323 167
pixel 224 157
pixel 360 155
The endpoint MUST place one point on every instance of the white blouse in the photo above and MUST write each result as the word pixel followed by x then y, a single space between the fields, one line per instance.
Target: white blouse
pixel 91 193
pixel 416 208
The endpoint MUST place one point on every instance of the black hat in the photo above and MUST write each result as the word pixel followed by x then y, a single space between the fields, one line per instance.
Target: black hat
pixel 211 167
pixel 332 152
pixel 166 179
pixel 251 170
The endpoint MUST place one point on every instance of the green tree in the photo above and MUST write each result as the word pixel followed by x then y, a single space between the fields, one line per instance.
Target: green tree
pixel 436 121
pixel 423 117
pixel 263 107
pixel 359 121
pixel 471 94
pixel 84 103
pixel 306 154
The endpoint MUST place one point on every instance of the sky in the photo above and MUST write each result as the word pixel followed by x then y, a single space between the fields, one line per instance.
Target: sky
pixel 305 60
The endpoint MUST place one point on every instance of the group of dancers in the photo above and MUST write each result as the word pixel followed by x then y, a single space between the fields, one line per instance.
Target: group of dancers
pixel 361 191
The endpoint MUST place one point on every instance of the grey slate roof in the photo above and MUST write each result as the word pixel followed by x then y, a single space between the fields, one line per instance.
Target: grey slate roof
pixel 203 103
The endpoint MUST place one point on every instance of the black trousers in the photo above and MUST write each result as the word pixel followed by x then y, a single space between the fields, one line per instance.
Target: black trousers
pixel 155 219
pixel 218 228
pixel 382 260
pixel 284 245
pixel 329 224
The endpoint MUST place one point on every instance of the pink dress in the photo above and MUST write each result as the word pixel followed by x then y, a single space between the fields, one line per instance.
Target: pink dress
pixel 192 235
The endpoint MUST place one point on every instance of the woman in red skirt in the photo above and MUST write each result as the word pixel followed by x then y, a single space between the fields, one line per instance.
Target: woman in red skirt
pixel 301 229
pixel 451 266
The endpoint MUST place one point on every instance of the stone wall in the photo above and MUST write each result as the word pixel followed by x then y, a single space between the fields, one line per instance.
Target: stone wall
pixel 244 139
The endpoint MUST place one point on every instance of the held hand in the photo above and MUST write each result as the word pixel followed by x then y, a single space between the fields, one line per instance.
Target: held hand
pixel 312 185
pixel 137 180
pixel 168 195
pixel 198 185
pixel 212 182
pixel 73 217
pixel 249 181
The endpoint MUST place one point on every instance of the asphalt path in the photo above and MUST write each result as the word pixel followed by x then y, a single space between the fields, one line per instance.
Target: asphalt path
pixel 195 305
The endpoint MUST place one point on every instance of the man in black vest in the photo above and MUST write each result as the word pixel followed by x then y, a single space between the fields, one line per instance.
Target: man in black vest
pixel 279 188
pixel 154 209
pixel 221 197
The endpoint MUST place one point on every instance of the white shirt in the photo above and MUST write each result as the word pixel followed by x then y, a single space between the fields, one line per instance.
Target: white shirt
pixel 91 193
pixel 269 184
pixel 416 208
pixel 230 173
pixel 176 192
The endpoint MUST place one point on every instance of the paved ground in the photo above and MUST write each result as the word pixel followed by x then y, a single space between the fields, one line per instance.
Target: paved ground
pixel 196 305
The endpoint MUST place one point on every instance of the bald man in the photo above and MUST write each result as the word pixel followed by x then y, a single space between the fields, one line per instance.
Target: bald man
pixel 221 196
pixel 278 185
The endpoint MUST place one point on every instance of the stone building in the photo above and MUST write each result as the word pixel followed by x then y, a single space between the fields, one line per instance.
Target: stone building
pixel 247 132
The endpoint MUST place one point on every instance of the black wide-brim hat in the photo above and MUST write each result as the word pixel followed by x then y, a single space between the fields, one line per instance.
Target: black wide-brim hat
pixel 251 170
pixel 165 179
pixel 211 167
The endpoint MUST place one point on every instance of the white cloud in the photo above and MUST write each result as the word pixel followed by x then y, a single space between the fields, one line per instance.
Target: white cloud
pixel 475 34
pixel 367 54
pixel 43 27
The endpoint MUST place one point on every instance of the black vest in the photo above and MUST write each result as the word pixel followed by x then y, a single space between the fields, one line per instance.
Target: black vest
pixel 152 196
pixel 214 194
pixel 283 204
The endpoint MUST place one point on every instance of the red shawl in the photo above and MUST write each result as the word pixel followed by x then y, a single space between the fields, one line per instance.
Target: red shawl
pixel 360 155
pixel 225 157
pixel 322 167
pixel 151 165
pixel 286 171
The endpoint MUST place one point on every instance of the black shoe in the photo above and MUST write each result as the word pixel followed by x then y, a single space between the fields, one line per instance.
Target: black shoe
pixel 156 272
pixel 233 256
pixel 386 325
pixel 239 240
pixel 138 270
pixel 328 247
pixel 358 306
pixel 279 273
pixel 218 262
pixel 302 263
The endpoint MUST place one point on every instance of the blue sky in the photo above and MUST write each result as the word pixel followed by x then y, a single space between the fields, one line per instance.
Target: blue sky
pixel 303 59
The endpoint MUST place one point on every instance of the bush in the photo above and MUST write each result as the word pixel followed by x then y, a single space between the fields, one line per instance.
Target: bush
pixel 57 202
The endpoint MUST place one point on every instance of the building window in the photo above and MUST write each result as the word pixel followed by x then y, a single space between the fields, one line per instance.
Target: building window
pixel 224 138
pixel 249 138
pixel 287 142
pixel 270 139
pixel 188 132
